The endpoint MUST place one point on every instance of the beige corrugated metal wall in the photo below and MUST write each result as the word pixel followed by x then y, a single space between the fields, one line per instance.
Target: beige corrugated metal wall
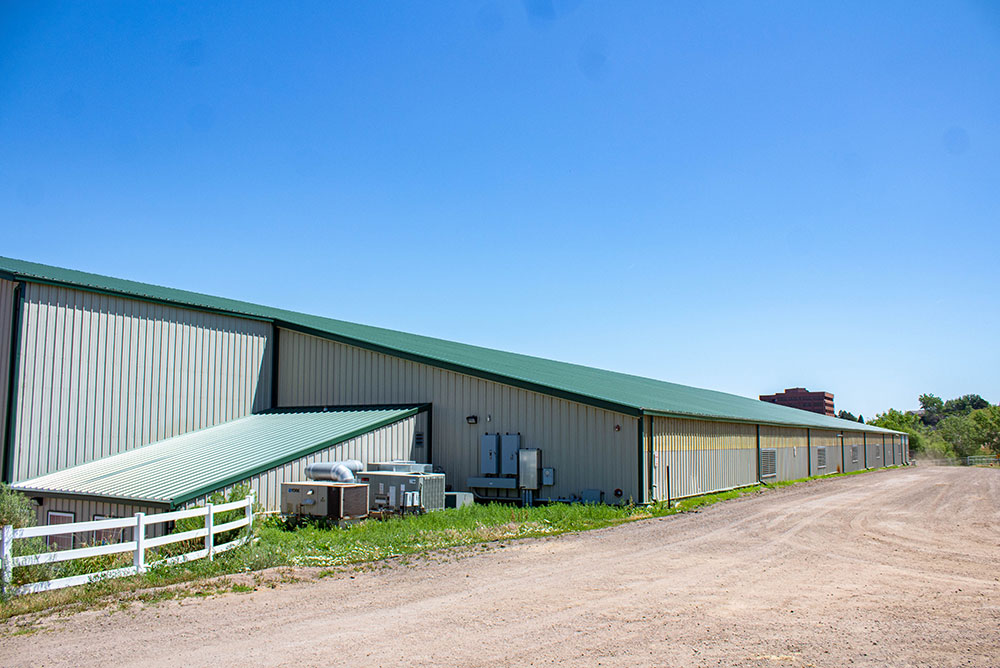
pixel 6 322
pixel 394 441
pixel 791 445
pixel 701 456
pixel 851 439
pixel 579 441
pixel 874 446
pixel 831 441
pixel 99 374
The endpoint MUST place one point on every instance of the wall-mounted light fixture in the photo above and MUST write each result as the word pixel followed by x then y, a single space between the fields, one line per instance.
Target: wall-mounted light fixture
pixel 472 419
pixel 618 427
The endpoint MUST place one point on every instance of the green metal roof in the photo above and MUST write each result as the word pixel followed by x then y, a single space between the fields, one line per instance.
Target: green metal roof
pixel 175 470
pixel 616 391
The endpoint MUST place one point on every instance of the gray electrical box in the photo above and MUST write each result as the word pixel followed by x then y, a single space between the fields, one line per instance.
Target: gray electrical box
pixel 548 476
pixel 530 463
pixel 509 445
pixel 489 454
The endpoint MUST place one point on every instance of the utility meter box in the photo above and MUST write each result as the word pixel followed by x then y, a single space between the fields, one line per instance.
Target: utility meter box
pixel 530 461
pixel 489 454
pixel 509 445
pixel 334 500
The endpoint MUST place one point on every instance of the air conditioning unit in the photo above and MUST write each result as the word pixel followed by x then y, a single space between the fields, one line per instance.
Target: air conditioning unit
pixel 404 492
pixel 400 466
pixel 333 500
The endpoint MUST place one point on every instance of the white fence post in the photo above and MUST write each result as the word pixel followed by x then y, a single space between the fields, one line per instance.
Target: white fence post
pixel 209 536
pixel 250 514
pixel 7 557
pixel 140 543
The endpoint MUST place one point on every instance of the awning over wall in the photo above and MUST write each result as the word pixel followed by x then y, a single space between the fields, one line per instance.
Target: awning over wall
pixel 178 469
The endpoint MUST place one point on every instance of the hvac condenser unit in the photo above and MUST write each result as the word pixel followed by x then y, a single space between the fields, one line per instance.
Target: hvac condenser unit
pixel 404 492
pixel 400 466
pixel 333 500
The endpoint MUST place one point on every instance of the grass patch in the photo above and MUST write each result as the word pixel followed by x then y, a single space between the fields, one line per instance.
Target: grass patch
pixel 358 546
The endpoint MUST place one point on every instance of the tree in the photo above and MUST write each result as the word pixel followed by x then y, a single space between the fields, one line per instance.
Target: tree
pixel 960 432
pixel 965 404
pixel 906 422
pixel 933 408
pixel 987 427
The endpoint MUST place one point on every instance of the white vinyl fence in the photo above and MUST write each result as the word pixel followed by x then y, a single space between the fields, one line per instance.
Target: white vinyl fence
pixel 137 546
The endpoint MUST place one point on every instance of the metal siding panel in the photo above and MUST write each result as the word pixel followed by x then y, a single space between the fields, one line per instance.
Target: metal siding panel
pixel 100 375
pixel 701 457
pixel 790 444
pixel 316 371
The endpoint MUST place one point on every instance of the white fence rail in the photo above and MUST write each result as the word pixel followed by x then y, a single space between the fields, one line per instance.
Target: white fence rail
pixel 137 546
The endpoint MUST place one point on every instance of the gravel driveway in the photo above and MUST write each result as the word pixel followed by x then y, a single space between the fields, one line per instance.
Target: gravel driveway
pixel 890 568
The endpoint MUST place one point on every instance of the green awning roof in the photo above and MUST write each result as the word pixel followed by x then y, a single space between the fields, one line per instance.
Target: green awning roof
pixel 597 387
pixel 175 470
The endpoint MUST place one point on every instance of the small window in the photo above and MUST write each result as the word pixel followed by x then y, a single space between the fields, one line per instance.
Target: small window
pixel 107 536
pixel 61 541
pixel 854 454
pixel 768 462
pixel 821 458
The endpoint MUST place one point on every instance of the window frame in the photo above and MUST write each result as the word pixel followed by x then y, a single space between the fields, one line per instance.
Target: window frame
pixel 50 540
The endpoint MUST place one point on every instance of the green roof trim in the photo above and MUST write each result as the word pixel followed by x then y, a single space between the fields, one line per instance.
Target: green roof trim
pixel 611 390
pixel 176 470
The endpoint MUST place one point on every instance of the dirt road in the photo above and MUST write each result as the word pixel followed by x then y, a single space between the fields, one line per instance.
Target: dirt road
pixel 894 568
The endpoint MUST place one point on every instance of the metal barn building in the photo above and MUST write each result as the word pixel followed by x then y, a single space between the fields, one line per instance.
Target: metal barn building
pixel 95 366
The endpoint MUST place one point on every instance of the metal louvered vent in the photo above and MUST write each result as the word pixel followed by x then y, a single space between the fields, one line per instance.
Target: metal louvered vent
pixel 854 454
pixel 821 458
pixel 418 439
pixel 768 463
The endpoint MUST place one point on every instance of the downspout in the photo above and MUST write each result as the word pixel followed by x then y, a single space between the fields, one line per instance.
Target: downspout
pixel 275 357
pixel 758 455
pixel 651 482
pixel 843 456
pixel 7 462
pixel 809 453
pixel 428 439
pixel 864 441
pixel 641 454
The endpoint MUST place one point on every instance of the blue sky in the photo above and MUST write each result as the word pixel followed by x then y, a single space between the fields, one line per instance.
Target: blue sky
pixel 741 196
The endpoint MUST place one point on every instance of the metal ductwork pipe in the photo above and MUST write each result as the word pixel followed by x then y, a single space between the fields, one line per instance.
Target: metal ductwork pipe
pixel 335 471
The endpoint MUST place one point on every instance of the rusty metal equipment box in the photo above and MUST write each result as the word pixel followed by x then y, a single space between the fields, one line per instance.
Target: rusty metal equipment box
pixel 489 454
pixel 509 445
pixel 334 500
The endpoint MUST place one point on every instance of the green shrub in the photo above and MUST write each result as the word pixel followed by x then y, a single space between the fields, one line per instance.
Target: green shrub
pixel 236 493
pixel 15 508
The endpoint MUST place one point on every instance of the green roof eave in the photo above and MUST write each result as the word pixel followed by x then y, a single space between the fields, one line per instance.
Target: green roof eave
pixel 847 426
pixel 212 486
